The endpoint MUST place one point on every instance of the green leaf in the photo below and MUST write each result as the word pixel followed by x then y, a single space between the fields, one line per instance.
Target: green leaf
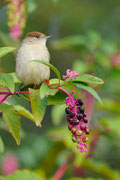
pixel 6 50
pixel 1 145
pixel 54 81
pixel 58 113
pixel 16 80
pixel 2 84
pixel 51 66
pixel 22 174
pixel 87 78
pixel 24 112
pixel 38 105
pixel 12 120
pixel 8 81
pixel 90 90
pixel 45 91
pixel 57 99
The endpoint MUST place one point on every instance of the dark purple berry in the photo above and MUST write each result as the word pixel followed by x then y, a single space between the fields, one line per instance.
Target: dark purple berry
pixel 69 126
pixel 73 130
pixel 68 118
pixel 71 121
pixel 75 122
pixel 85 120
pixel 82 126
pixel 87 130
pixel 81 109
pixel 84 115
pixel 67 110
pixel 80 102
pixel 71 114
pixel 79 116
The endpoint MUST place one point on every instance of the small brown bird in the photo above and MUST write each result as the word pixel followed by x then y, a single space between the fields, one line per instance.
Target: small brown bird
pixel 33 47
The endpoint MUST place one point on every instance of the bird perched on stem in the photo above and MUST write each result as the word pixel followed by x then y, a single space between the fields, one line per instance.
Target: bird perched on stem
pixel 33 47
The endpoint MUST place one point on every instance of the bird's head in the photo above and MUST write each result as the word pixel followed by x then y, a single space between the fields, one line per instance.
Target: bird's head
pixel 35 38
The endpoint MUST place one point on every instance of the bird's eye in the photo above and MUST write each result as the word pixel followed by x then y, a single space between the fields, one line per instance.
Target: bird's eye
pixel 37 36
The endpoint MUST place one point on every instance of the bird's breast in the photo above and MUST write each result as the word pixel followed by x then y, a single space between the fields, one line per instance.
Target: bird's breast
pixel 32 72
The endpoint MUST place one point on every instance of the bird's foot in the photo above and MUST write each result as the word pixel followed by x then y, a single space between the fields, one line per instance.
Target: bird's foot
pixel 18 90
pixel 35 86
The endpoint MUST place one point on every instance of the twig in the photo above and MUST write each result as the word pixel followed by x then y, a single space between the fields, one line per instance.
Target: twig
pixel 26 92
pixel 10 93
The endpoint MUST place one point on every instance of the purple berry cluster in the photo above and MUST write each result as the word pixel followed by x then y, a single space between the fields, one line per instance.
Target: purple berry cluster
pixel 77 122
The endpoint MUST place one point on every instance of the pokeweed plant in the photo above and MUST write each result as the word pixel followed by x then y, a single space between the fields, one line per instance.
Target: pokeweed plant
pixel 56 91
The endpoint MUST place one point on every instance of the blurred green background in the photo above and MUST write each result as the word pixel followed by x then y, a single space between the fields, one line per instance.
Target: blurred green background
pixel 86 38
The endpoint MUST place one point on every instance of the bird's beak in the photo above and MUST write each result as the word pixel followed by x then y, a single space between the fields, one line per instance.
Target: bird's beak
pixel 48 37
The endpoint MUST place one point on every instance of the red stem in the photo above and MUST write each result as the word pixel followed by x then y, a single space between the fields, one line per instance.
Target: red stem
pixel 27 92
pixel 10 93
pixel 61 171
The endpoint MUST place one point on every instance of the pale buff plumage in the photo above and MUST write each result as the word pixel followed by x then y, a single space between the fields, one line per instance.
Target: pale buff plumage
pixel 32 48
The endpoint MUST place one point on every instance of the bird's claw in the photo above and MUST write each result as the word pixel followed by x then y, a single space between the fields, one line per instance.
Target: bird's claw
pixel 18 90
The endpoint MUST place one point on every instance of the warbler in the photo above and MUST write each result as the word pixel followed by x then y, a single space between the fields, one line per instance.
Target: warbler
pixel 33 47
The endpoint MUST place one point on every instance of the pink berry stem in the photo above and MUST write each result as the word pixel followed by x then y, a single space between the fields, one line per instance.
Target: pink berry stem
pixel 64 91
pixel 53 87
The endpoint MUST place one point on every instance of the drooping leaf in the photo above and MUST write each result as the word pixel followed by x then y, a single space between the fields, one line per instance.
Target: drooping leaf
pixel 24 112
pixel 87 78
pixel 51 66
pixel 90 90
pixel 24 175
pixel 8 81
pixel 6 50
pixel 45 91
pixel 38 105
pixel 12 120
pixel 1 145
